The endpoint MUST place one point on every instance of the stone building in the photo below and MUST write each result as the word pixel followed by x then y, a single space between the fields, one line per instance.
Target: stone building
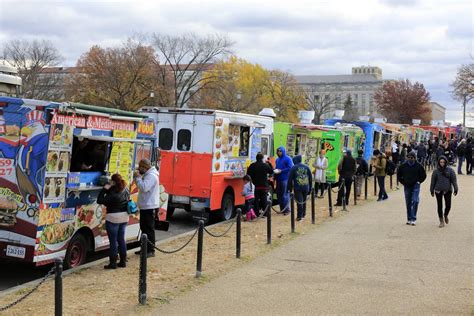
pixel 10 82
pixel 360 85
pixel 438 112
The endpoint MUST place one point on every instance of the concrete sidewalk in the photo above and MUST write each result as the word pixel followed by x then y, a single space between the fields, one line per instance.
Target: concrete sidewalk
pixel 368 262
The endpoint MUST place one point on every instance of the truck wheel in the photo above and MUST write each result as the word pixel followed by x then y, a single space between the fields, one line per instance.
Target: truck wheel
pixel 227 207
pixel 76 252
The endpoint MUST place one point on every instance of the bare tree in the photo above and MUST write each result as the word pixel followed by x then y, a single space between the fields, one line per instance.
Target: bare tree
pixel 31 58
pixel 463 87
pixel 321 105
pixel 183 60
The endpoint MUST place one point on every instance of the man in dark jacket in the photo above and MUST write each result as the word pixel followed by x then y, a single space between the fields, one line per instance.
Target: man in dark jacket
pixel 468 155
pixel 301 180
pixel 361 172
pixel 421 152
pixel 283 166
pixel 460 153
pixel 411 174
pixel 347 169
pixel 259 172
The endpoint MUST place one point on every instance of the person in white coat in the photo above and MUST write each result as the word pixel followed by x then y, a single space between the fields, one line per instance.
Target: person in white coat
pixel 147 179
pixel 320 165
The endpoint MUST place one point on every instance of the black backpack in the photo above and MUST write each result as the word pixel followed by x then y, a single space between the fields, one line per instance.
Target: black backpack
pixel 390 168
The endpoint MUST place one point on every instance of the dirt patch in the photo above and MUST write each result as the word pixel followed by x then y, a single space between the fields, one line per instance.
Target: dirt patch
pixel 95 291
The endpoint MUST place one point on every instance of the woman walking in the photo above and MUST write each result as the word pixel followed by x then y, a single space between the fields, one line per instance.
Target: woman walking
pixel 115 197
pixel 443 182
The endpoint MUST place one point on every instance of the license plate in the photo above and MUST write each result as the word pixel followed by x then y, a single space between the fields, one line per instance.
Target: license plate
pixel 17 252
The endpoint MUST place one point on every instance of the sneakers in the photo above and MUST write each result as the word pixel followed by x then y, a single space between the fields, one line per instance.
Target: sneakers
pixel 298 219
pixel 408 223
pixel 150 254
pixel 413 223
pixel 446 220
pixel 337 204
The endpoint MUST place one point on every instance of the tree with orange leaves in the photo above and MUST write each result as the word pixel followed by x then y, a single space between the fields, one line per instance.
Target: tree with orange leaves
pixel 402 101
pixel 119 77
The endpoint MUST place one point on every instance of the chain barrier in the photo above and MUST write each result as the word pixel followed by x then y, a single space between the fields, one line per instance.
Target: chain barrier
pixel 223 234
pixel 50 273
pixel 338 189
pixel 168 252
pixel 307 199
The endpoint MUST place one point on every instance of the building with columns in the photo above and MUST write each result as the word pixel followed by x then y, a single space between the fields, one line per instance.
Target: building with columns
pixel 361 85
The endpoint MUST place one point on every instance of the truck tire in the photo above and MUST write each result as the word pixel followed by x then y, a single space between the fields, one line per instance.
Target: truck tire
pixel 76 252
pixel 227 207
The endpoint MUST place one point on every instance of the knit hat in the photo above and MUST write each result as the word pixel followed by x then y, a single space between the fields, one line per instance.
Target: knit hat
pixel 411 154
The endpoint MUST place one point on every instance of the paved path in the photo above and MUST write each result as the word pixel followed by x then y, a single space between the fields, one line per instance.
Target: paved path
pixel 368 262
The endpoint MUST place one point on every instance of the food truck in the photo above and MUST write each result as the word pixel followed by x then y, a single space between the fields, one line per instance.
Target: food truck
pixel 54 159
pixel 205 154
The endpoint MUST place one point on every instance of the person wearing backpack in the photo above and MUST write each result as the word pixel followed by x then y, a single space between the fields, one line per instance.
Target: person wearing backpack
pixel 379 164
pixel 443 181
pixel 411 174
pixel 361 172
pixel 300 180
pixel 347 168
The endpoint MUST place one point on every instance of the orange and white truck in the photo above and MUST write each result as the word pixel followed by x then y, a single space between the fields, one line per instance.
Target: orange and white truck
pixel 205 154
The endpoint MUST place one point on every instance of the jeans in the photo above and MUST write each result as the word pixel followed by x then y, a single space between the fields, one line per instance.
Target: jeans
pixel 116 234
pixel 347 187
pixel 468 165
pixel 147 226
pixel 300 197
pixel 261 200
pixel 412 198
pixel 460 161
pixel 360 179
pixel 382 193
pixel 447 200
pixel 283 196
pixel 249 204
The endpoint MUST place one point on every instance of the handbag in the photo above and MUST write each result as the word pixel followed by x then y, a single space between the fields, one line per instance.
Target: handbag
pixel 132 207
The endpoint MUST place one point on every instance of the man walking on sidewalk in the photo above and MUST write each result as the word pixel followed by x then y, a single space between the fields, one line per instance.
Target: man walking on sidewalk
pixel 411 174
pixel 148 183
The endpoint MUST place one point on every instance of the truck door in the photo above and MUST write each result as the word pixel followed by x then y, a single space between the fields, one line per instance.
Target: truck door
pixel 183 154
pixel 201 162
pixel 166 134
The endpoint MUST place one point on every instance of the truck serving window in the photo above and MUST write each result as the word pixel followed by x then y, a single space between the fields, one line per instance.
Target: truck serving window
pixel 89 155
pixel 244 141
pixel 165 138
pixel 184 140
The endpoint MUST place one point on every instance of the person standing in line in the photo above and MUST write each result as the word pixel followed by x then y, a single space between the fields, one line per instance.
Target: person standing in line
pixel 259 172
pixel 411 174
pixel 147 179
pixel 421 152
pixel 115 197
pixel 396 152
pixel 460 153
pixel 443 182
pixel 379 163
pixel 248 193
pixel 320 165
pixel 347 168
pixel 468 155
pixel 361 172
pixel 283 166
pixel 403 153
pixel 300 180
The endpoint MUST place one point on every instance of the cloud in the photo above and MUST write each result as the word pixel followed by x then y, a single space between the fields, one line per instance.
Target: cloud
pixel 421 40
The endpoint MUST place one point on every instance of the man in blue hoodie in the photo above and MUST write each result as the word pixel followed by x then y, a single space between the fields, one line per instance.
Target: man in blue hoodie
pixel 301 180
pixel 283 166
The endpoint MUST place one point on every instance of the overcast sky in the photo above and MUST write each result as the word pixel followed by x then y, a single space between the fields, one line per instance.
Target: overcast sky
pixel 422 40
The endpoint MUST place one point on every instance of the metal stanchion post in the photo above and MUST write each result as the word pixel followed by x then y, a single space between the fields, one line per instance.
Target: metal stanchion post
pixel 313 207
pixel 355 190
pixel 238 237
pixel 199 249
pixel 292 213
pixel 375 185
pixel 58 288
pixel 391 182
pixel 366 185
pixel 143 268
pixel 329 198
pixel 269 219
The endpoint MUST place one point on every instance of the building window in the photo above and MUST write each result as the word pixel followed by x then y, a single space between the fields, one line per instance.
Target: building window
pixel 165 138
